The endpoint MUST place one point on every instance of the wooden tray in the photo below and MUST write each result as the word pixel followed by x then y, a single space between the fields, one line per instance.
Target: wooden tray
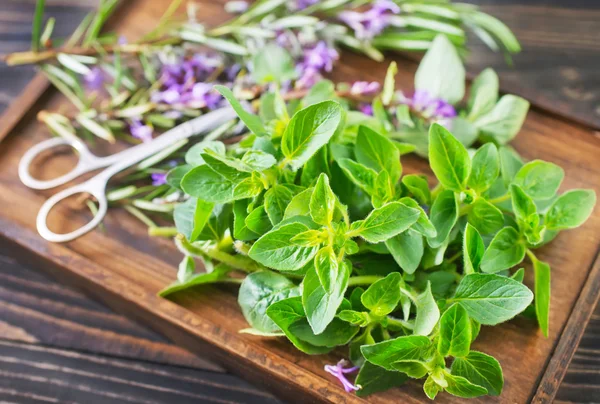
pixel 125 268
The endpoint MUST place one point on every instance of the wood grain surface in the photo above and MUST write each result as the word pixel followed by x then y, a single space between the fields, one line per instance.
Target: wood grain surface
pixel 543 126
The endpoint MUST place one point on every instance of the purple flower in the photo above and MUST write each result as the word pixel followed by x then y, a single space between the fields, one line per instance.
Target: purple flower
pixel 94 79
pixel 340 373
pixel 184 82
pixel 140 131
pixel 302 4
pixel 236 7
pixel 429 107
pixel 159 179
pixel 370 23
pixel 366 108
pixel 315 60
pixel 364 88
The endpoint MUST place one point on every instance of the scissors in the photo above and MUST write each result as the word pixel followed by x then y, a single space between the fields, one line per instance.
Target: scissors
pixel 114 164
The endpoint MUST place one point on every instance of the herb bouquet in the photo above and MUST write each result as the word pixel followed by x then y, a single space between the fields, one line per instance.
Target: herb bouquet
pixel 306 207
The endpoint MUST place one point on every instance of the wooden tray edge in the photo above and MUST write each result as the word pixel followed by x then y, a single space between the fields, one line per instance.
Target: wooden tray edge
pixel 571 335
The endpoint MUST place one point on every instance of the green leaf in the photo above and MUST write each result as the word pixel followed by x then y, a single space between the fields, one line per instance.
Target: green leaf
pixel 428 312
pixel 359 174
pixel 570 210
pixel 522 204
pixel 485 168
pixel 258 160
pixel 407 249
pixel 444 214
pixel 277 199
pixel 276 250
pixel 441 72
pixel 417 185
pixel 258 291
pixel 319 305
pixel 240 229
pixel 299 205
pixel 485 217
pixel 473 249
pixel 461 387
pixel 322 201
pixel 322 91
pixel 505 251
pixel 455 332
pixel 273 64
pixel 510 163
pixel 219 274
pixel 539 179
pixel 175 175
pixel 492 299
pixel 378 153
pixel 389 354
pixel 505 120
pixel 541 291
pixel 191 217
pixel 335 334
pixel 483 93
pixel 423 224
pixel 327 268
pixel 383 296
pixel 194 155
pixel 36 29
pixel 389 84
pixel 253 122
pixel 386 222
pixel 373 379
pixel 316 165
pixel 309 130
pixel 480 369
pixel 288 312
pixel 355 317
pixel 258 221
pixel 448 158
pixel 431 388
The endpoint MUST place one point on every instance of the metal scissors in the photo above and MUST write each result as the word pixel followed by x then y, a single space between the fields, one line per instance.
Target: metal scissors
pixel 114 164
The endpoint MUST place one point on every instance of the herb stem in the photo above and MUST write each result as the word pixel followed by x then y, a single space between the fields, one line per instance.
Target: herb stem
pixel 238 262
pixel 156 231
pixel 500 199
pixel 363 280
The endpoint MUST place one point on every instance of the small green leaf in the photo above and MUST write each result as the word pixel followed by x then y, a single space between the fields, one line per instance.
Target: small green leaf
pixel 522 204
pixel 505 120
pixel 407 249
pixel 483 93
pixel 258 160
pixel 485 168
pixel 480 369
pixel 327 268
pixel 299 205
pixel 431 388
pixel 542 294
pixel 389 354
pixel 417 185
pixel 276 250
pixel 444 214
pixel 240 228
pixel 277 199
pixel 220 273
pixel 441 72
pixel 320 306
pixel 492 299
pixel 505 251
pixel 428 312
pixel 570 210
pixel 383 296
pixel 322 201
pixel 258 221
pixel 389 84
pixel 258 291
pixel 448 158
pixel 378 153
pixel 373 379
pixel 386 222
pixel 485 217
pixel 455 332
pixel 273 64
pixel 191 217
pixel 309 130
pixel 363 176
pixel 461 387
pixel 473 249
pixel 539 179
pixel 253 122
pixel 510 163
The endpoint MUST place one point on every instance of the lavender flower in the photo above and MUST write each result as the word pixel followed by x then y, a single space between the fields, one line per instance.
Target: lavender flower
pixel 373 21
pixel 140 131
pixel 184 83
pixel 158 179
pixel 340 373
pixel 317 59
pixel 302 4
pixel 95 78
pixel 366 108
pixel 364 88
pixel 430 108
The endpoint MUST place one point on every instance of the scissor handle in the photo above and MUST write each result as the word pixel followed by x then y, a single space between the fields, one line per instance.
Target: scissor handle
pixel 95 187
pixel 87 162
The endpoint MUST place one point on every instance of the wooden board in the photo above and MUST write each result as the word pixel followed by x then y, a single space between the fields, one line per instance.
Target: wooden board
pixel 125 268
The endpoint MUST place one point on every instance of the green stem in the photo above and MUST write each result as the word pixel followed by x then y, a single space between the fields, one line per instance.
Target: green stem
pixel 531 255
pixel 238 262
pixel 500 199
pixel 162 231
pixel 400 323
pixel 363 280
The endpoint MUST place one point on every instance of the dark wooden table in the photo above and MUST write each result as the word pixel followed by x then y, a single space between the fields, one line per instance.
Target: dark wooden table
pixel 57 345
